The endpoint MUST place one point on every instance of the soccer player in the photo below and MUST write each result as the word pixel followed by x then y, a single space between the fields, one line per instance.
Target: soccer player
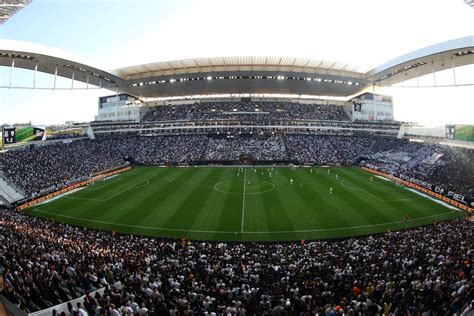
pixel 329 171
pixel 330 190
pixel 405 218
pixel 291 181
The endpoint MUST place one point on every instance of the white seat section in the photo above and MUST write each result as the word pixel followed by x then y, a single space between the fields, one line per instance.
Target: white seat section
pixel 9 193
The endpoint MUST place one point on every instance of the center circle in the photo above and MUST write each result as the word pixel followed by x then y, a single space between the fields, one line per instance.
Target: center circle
pixel 238 186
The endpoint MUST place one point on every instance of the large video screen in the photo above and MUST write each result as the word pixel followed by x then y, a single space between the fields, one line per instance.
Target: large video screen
pixel 18 134
pixel 460 132
pixel 465 133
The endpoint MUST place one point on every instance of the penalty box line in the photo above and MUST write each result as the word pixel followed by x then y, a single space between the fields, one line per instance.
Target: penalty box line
pixel 147 181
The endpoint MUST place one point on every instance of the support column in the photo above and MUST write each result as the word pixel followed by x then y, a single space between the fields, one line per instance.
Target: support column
pixel 417 78
pixel 375 105
pixel 55 76
pixel 34 75
pixel 454 72
pixel 116 105
pixel 11 72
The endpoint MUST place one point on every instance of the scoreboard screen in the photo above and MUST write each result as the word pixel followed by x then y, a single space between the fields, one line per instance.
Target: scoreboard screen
pixel 450 131
pixel 14 134
pixel 357 106
pixel 8 135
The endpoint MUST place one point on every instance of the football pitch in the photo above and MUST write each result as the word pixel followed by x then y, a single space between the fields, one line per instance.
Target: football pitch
pixel 245 204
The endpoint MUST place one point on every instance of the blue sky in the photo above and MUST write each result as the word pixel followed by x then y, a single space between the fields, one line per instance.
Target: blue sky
pixel 122 33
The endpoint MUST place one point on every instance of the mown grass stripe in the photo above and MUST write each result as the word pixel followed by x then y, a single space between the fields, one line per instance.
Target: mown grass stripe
pixel 182 202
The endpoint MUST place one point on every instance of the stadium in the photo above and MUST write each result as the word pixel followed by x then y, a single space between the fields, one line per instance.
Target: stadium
pixel 235 185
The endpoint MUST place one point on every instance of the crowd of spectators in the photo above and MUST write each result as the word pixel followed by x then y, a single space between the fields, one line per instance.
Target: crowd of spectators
pixel 327 149
pixel 259 148
pixel 46 168
pixel 421 271
pixel 449 168
pixel 252 111
pixel 43 169
pixel 66 135
pixel 38 170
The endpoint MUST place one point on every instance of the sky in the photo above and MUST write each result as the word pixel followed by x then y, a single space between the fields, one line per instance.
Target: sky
pixel 118 33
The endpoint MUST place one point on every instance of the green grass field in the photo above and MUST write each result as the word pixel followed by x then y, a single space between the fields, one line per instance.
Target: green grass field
pixel 233 204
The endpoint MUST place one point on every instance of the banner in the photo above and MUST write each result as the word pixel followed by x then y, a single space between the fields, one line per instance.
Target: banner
pixel 357 106
pixel 450 197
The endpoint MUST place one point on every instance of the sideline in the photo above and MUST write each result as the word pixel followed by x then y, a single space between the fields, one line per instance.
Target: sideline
pixel 245 232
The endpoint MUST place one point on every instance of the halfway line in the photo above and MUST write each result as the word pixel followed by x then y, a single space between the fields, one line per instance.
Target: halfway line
pixel 243 203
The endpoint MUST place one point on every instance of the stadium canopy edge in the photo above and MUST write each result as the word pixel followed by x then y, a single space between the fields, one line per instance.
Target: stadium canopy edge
pixel 235 75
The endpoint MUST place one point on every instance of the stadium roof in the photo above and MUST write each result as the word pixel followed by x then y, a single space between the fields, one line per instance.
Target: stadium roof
pixel 433 58
pixel 240 63
pixel 9 7
pixel 238 75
